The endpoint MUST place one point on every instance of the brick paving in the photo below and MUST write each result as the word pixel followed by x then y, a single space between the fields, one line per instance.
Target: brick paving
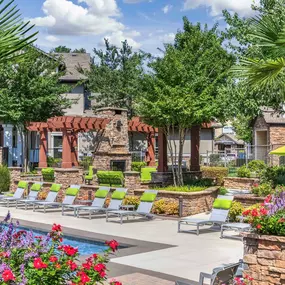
pixel 142 279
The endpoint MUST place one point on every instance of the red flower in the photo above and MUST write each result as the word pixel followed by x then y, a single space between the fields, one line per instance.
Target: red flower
pixel 69 250
pixel 268 199
pixel 53 259
pixel 72 265
pixel 8 275
pixel 259 226
pixel 39 237
pixel 113 245
pixel 57 266
pixel 87 265
pixel 56 228
pixel 99 267
pixel 114 282
pixel 4 254
pixel 84 278
pixel 263 211
pixel 102 274
pixel 38 263
pixel 95 256
pixel 246 212
pixel 254 213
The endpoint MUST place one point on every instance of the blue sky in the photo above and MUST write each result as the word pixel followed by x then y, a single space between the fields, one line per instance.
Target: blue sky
pixel 146 24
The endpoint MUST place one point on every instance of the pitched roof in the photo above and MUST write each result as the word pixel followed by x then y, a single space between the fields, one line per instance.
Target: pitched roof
pixel 272 117
pixel 73 62
pixel 229 138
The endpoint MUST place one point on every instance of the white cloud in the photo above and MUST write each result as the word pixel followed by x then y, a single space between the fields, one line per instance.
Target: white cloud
pixel 243 7
pixel 167 38
pixel 116 38
pixel 167 8
pixel 52 38
pixel 136 1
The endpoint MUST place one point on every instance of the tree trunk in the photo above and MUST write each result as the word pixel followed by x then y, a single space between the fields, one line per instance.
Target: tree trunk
pixel 171 155
pixel 180 156
pixel 26 151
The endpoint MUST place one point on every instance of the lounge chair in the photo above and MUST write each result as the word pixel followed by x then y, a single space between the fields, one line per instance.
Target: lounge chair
pixel 115 203
pixel 19 193
pixel 69 199
pixel 144 208
pixel 89 176
pixel 221 275
pixel 99 201
pixel 219 215
pixel 34 192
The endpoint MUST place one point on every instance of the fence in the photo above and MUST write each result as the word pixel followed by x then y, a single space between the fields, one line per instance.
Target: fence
pixel 237 157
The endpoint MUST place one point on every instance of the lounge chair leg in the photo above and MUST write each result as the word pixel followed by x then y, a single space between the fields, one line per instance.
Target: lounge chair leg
pixel 44 208
pixel 122 219
pixel 77 213
pixel 8 204
pixel 107 216
pixel 74 212
pixel 26 206
pixel 90 215
pixel 16 204
pixel 197 232
pixel 34 207
pixel 179 227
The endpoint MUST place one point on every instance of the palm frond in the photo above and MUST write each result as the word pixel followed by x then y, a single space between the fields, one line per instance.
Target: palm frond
pixel 14 33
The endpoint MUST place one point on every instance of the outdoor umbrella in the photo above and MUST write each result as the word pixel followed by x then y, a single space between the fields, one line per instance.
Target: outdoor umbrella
pixel 279 151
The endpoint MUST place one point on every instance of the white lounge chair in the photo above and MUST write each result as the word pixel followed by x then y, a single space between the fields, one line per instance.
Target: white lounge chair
pixel 98 202
pixel 19 193
pixel 115 203
pixel 70 196
pixel 144 208
pixel 218 217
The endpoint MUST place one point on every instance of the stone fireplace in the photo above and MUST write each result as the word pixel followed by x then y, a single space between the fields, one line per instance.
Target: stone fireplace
pixel 112 144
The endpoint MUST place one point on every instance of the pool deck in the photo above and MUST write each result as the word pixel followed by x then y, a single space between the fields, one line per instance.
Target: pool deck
pixel 161 252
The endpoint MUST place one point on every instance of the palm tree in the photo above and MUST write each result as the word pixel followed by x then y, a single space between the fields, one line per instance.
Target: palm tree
pixel 14 33
pixel 268 68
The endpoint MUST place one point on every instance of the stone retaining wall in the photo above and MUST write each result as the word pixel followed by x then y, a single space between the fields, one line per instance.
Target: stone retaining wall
pixel 240 183
pixel 193 203
pixel 248 200
pixel 265 258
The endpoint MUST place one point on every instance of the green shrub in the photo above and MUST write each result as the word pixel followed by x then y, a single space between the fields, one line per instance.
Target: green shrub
pixel 235 211
pixel 218 173
pixel 223 191
pixel 275 174
pixel 186 188
pixel 243 172
pixel 146 173
pixel 86 162
pixel 53 162
pixel 138 165
pixel 110 178
pixel 48 174
pixel 166 207
pixel 203 182
pixel 257 166
pixel 5 179
pixel 132 200
pixel 263 189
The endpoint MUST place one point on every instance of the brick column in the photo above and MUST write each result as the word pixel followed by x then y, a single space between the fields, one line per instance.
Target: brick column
pixel 151 150
pixel 15 173
pixel 43 149
pixel 195 148
pixel 66 150
pixel 132 181
pixel 162 152
pixel 74 145
pixel 67 177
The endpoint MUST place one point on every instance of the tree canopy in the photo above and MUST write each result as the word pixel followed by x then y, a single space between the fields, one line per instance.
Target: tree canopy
pixel 115 76
pixel 14 33
pixel 65 49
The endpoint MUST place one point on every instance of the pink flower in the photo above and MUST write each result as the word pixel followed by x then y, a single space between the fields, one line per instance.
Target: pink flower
pixel 8 275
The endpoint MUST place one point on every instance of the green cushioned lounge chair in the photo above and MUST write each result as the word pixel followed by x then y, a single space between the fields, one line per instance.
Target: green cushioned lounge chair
pixel 219 215
pixel 144 208
pixel 70 196
pixel 115 203
pixel 89 177
pixel 19 193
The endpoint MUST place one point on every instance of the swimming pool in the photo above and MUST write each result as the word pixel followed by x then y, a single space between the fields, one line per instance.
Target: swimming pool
pixel 85 247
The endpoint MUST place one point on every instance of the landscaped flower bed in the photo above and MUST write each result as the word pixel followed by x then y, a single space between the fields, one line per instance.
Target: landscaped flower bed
pixel 33 260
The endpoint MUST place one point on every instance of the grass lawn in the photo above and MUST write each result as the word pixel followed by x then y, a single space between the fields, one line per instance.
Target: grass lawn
pixel 183 188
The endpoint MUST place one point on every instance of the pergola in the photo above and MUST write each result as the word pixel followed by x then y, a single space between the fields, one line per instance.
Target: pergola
pixel 70 126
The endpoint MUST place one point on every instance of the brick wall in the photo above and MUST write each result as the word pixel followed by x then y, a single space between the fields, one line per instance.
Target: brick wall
pixel 15 173
pixel 240 183
pixel 248 199
pixel 277 139
pixel 265 258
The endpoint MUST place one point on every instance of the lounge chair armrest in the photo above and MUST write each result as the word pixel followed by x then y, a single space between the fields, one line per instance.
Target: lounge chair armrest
pixel 182 283
pixel 203 276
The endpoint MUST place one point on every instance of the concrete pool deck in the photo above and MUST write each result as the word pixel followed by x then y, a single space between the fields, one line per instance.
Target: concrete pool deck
pixel 161 249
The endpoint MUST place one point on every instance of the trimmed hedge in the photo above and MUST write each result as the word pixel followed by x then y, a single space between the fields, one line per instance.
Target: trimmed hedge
pixel 146 173
pixel 48 174
pixel 5 179
pixel 138 165
pixel 110 178
pixel 218 173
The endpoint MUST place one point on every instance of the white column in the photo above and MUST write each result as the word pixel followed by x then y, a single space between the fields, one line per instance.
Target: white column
pixel 8 136
pixel 19 149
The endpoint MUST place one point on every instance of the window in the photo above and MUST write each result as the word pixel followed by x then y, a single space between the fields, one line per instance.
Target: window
pixel 35 140
pixel 15 137
pixel 57 146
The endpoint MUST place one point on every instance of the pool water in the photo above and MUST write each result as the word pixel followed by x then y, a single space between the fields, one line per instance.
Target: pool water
pixel 85 247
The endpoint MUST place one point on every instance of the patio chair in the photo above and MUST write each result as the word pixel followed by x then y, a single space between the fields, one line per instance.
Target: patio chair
pixel 34 192
pixel 115 203
pixel 89 176
pixel 69 199
pixel 144 208
pixel 219 215
pixel 222 275
pixel 21 188
pixel 98 202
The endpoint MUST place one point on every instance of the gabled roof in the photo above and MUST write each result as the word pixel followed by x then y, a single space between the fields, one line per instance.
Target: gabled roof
pixel 229 138
pixel 73 62
pixel 272 117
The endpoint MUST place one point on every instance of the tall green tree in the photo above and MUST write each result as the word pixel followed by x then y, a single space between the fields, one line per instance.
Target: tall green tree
pixel 30 92
pixel 181 91
pixel 115 76
pixel 61 49
pixel 14 33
